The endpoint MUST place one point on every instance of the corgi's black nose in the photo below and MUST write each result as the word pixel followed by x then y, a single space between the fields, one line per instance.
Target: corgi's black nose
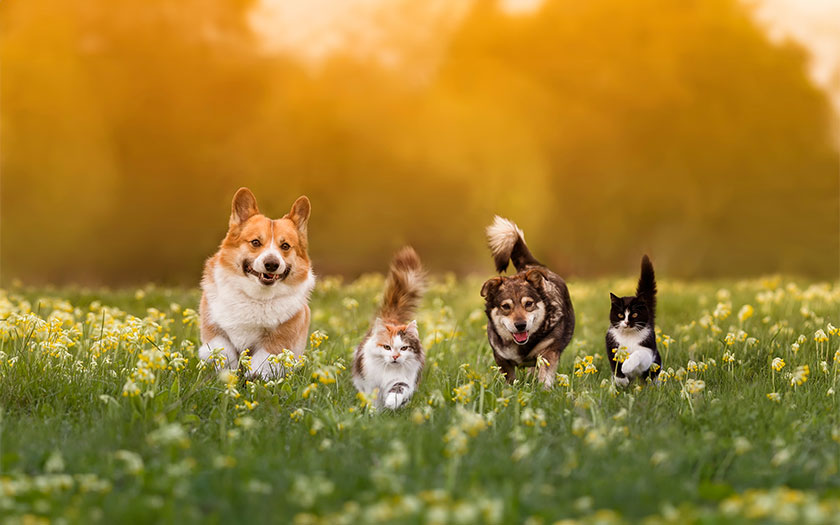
pixel 271 265
pixel 520 326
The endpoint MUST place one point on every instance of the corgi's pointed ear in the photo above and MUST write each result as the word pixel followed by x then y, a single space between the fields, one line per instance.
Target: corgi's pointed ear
pixel 244 206
pixel 299 214
pixel 412 329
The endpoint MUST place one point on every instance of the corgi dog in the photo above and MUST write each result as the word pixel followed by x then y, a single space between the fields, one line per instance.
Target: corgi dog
pixel 255 289
pixel 390 358
pixel 530 313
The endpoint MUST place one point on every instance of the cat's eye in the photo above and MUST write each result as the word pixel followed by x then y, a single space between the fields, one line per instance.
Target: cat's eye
pixel 256 243
pixel 403 348
pixel 387 347
pixel 621 316
pixel 635 314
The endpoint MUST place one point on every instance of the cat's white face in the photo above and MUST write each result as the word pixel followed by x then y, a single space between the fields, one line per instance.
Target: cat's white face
pixel 395 344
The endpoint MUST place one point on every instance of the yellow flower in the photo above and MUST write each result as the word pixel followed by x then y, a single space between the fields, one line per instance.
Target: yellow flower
pixel 309 390
pixel 463 394
pixel 728 357
pixel 297 415
pixel 620 354
pixel 316 338
pixel 563 379
pixel 777 364
pixel 745 312
pixel 774 397
pixel 800 375
pixel 820 337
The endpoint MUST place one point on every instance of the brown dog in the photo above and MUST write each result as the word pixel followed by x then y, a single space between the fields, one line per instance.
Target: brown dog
pixel 530 313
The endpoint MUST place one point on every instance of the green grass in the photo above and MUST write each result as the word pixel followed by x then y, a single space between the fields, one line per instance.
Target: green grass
pixel 186 448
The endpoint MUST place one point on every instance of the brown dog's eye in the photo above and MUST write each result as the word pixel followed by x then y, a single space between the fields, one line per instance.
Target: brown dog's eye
pixel 505 307
pixel 285 246
pixel 529 304
pixel 256 243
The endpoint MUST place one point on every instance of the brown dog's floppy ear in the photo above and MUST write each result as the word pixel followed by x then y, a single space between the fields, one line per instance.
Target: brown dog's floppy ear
pixel 299 214
pixel 490 286
pixel 535 277
pixel 243 207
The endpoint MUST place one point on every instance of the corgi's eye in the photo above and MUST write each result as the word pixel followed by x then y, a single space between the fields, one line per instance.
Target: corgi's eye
pixel 256 243
pixel 621 316
pixel 386 347
pixel 285 246
pixel 635 315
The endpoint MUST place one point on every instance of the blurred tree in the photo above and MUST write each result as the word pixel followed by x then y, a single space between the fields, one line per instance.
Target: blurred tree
pixel 605 128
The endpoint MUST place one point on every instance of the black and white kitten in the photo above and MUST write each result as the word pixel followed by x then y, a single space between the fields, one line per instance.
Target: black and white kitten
pixel 632 329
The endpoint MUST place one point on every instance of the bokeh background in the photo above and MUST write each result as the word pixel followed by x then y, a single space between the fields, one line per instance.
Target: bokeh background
pixel 703 132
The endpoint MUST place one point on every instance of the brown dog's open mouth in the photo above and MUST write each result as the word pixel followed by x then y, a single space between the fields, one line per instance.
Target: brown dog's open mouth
pixel 520 338
pixel 266 278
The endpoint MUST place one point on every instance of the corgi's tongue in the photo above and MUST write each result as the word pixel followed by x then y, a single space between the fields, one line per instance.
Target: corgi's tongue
pixel 520 337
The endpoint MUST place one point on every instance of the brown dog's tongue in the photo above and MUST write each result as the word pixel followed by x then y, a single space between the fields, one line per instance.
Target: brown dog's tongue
pixel 520 337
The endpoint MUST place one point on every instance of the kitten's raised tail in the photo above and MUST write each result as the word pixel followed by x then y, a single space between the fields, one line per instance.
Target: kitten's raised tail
pixel 507 244
pixel 646 288
pixel 404 287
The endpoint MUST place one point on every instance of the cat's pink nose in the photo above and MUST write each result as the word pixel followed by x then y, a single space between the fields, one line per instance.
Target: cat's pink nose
pixel 395 356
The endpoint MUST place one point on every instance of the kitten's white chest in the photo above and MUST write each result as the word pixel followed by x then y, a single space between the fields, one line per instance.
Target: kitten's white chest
pixel 630 339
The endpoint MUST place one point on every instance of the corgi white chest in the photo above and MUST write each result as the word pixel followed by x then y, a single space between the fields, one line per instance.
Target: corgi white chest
pixel 245 310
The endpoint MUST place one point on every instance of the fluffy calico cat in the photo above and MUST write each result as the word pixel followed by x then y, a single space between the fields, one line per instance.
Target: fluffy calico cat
pixel 390 358
pixel 632 329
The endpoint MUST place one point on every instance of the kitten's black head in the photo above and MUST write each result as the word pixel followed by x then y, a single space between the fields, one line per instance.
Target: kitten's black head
pixel 633 310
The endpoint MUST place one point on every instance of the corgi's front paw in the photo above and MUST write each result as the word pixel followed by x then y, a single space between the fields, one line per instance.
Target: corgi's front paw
pixel 262 368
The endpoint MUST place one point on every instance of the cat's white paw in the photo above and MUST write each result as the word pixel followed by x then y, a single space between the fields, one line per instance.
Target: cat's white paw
pixel 630 366
pixel 621 381
pixel 394 400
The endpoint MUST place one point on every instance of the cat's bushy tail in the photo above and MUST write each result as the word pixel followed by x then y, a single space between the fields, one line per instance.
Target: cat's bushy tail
pixel 646 288
pixel 404 287
pixel 507 244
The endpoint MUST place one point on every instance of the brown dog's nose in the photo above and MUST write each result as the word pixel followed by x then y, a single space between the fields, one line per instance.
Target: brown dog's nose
pixel 520 325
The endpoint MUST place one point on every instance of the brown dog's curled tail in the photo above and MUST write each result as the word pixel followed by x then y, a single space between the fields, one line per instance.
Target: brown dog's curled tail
pixel 404 287
pixel 507 244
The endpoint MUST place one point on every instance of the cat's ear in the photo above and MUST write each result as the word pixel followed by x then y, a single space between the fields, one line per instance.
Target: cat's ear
pixel 412 329
pixel 613 297
pixel 378 325
pixel 535 277
pixel 490 286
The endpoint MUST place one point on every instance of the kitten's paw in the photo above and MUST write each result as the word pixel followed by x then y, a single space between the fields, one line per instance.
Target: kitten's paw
pixel 394 400
pixel 621 381
pixel 630 365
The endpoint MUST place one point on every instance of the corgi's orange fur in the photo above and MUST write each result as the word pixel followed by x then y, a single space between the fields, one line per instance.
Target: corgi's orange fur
pixel 256 287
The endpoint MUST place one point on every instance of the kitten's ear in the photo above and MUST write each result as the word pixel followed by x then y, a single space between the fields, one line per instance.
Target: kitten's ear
pixel 613 297
pixel 535 277
pixel 243 207
pixel 378 325
pixel 491 286
pixel 412 329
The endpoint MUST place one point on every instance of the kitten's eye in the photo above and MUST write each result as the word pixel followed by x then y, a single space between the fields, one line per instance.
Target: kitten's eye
pixel 285 246
pixel 635 314
pixel 256 243
pixel 621 316
pixel 403 348
pixel 386 347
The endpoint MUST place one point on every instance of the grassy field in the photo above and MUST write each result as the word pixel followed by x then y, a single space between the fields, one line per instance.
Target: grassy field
pixel 108 416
